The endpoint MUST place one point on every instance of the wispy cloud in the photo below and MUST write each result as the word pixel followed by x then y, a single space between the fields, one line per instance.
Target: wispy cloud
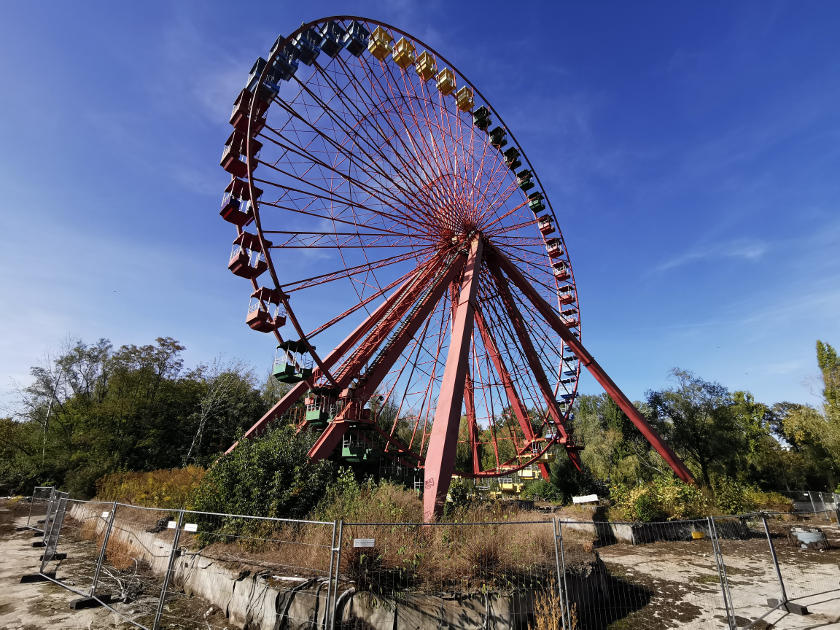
pixel 744 249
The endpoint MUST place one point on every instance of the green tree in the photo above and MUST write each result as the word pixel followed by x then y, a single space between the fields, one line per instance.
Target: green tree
pixel 698 420
pixel 830 367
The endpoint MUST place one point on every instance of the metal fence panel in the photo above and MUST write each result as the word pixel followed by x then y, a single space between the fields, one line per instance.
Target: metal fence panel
pixel 642 575
pixel 272 573
pixel 808 552
pixel 38 506
pixel 484 575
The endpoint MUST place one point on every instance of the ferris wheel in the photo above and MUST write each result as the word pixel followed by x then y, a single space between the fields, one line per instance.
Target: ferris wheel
pixel 385 213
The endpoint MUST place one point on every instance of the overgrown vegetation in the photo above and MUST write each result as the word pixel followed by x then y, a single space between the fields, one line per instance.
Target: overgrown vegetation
pixel 172 488
pixel 132 424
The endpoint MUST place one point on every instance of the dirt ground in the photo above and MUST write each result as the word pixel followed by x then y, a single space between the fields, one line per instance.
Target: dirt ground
pixel 33 606
pixel 685 590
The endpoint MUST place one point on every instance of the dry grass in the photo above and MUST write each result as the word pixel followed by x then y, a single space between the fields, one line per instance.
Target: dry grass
pixel 548 610
pixel 167 488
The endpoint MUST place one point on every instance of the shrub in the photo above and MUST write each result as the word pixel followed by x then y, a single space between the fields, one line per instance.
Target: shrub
pixel 542 490
pixel 732 497
pixel 267 476
pixel 368 501
pixel 166 488
pixel 663 498
pixel 770 501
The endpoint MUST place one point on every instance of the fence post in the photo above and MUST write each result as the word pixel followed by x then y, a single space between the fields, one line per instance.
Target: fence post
pixel 813 506
pixel 31 502
pixel 102 551
pixel 775 560
pixel 561 573
pixel 178 525
pixel 721 566
pixel 328 610
pixel 337 572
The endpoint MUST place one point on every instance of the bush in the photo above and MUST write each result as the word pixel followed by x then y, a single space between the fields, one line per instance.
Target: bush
pixel 732 497
pixel 368 501
pixel 663 498
pixel 541 490
pixel 166 488
pixel 267 476
pixel 770 501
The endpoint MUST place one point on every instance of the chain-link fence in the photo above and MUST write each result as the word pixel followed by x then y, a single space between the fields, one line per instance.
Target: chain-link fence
pixel 271 573
pixel 477 575
pixel 161 568
pixel 38 505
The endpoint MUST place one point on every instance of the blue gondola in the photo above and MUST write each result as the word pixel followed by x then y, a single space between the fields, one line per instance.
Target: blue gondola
pixel 567 397
pixel 481 118
pixel 570 373
pixel 331 37
pixel 356 39
pixel 308 46
pixel 498 137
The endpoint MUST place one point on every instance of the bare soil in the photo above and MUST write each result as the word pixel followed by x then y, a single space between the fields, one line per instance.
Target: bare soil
pixel 33 606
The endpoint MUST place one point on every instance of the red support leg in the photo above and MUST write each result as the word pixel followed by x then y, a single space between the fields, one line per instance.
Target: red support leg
pixel 443 442
pixel 553 319
pixel 328 440
pixel 519 409
pixel 534 364
pixel 469 403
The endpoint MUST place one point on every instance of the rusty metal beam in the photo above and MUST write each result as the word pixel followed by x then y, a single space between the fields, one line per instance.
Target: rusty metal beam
pixel 534 363
pixel 329 439
pixel 551 317
pixel 443 442
pixel 519 409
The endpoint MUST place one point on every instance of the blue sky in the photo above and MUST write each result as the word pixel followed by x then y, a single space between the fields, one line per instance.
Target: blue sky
pixel 691 152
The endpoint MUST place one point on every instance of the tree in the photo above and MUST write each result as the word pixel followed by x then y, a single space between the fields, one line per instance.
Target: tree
pixel 698 419
pixel 830 367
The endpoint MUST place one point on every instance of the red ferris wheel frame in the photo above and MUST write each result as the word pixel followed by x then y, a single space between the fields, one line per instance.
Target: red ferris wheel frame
pixel 470 275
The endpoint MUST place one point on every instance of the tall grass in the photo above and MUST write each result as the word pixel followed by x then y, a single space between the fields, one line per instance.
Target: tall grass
pixel 166 488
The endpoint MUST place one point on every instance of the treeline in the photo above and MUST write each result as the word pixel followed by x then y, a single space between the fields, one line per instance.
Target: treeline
pixel 96 409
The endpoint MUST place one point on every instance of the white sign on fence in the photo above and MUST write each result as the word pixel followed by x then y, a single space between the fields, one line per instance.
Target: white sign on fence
pixel 105 514
pixel 364 542
pixel 171 525
pixel 191 527
pixel 589 498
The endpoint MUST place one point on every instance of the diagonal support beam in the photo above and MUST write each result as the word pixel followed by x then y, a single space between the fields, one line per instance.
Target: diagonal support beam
pixel 519 409
pixel 294 394
pixel 553 319
pixel 331 436
pixel 534 363
pixel 472 424
pixel 443 442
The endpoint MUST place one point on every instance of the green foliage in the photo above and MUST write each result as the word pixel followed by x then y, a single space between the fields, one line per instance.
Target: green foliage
pixel 663 498
pixel 267 476
pixel 460 493
pixel 168 488
pixel 94 410
pixel 542 490
pixel 368 501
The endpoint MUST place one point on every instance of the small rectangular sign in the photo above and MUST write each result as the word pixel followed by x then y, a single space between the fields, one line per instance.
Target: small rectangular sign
pixel 364 542
pixel 171 525
pixel 191 527
pixel 105 514
pixel 589 498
